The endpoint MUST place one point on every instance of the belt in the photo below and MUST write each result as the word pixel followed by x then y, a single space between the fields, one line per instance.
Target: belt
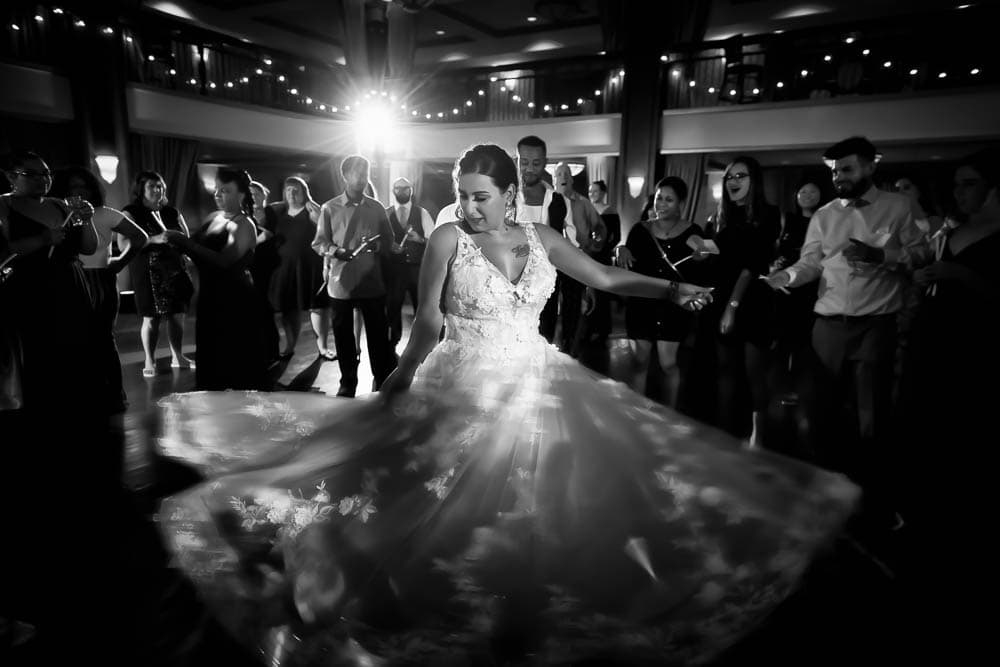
pixel 855 318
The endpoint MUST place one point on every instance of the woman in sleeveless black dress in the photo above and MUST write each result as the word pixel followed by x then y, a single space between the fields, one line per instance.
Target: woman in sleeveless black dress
pixel 231 336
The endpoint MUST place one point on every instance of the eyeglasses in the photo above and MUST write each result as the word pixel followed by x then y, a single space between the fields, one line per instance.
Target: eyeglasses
pixel 31 173
pixel 736 177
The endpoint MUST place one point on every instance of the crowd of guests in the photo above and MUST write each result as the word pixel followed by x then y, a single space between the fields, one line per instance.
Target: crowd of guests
pixel 860 314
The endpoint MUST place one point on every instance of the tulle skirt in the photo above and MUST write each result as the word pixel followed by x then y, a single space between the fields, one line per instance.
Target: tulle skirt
pixel 512 508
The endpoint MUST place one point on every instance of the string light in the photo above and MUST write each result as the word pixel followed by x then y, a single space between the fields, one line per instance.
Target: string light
pixel 309 100
pixel 481 92
pixel 597 93
pixel 108 31
pixel 827 58
pixel 866 52
pixel 79 23
pixel 267 61
pixel 172 71
pixel 531 105
pixel 322 107
pixel 579 100
pixel 692 83
pixel 440 114
pixel 39 18
pixel 849 40
pixel 455 111
pixel 781 84
pixel 281 78
pixel 887 64
pixel 334 109
pixel 15 27
pixel 150 58
pixel 128 39
pixel 468 103
pixel 230 84
pixel 245 79
pixel 942 75
pixel 804 72
pixel 756 91
pixel 547 108
pixel 493 79
pixel 711 89
pixel 294 91
pixel 913 72
pixel 259 71
pixel 663 59
pixel 563 107
pixel 57 10
pixel 211 84
pixel 974 71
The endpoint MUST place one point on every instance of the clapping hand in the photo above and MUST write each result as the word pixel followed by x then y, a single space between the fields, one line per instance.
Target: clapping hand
pixel 175 238
pixel 860 251
pixel 81 209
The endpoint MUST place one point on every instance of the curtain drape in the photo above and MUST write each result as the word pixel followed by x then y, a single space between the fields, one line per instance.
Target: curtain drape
pixel 691 168
pixel 177 161
pixel 602 168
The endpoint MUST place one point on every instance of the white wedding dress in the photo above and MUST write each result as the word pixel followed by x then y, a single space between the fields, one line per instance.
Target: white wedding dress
pixel 513 507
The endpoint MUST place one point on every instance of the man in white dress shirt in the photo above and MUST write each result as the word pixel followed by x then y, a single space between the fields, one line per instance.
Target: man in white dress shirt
pixel 411 227
pixel 862 248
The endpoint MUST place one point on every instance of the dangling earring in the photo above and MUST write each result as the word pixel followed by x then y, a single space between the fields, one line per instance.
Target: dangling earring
pixel 510 212
pixel 459 213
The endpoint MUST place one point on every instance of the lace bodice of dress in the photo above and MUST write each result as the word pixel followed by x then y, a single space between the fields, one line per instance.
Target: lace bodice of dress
pixel 484 308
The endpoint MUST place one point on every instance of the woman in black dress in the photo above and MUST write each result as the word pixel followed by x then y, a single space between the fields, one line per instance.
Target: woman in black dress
pixel 297 283
pixel 46 304
pixel 162 287
pixel 231 336
pixel 746 229
pixel 654 248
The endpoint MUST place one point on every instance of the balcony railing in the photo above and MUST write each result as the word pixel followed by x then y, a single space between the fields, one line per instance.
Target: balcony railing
pixel 913 54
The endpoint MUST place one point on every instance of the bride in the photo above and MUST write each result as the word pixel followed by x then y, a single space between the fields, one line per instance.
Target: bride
pixel 498 503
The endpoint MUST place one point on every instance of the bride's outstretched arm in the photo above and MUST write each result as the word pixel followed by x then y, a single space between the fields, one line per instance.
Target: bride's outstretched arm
pixel 429 318
pixel 579 266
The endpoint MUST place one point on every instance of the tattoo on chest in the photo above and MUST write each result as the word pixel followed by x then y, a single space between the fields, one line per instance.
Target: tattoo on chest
pixel 521 250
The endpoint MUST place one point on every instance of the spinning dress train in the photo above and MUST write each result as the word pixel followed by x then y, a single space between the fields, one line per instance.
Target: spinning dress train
pixel 512 508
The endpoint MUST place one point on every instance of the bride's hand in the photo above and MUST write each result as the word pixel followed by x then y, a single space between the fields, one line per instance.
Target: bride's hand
pixel 398 382
pixel 693 297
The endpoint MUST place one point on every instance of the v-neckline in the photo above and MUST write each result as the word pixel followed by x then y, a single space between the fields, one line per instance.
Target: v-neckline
pixel 520 276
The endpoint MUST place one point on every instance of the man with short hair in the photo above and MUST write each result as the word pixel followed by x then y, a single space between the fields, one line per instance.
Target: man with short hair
pixel 354 236
pixel 538 202
pixel 861 247
pixel 411 227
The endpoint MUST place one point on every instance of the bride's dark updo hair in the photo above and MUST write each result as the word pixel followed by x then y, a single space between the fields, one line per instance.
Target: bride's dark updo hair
pixel 488 160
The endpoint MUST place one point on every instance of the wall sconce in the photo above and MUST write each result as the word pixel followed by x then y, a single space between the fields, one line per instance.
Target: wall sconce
pixel 108 164
pixel 635 184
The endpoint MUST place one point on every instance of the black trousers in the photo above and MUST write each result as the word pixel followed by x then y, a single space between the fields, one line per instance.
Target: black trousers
pixel 404 279
pixel 571 294
pixel 380 354
pixel 848 397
